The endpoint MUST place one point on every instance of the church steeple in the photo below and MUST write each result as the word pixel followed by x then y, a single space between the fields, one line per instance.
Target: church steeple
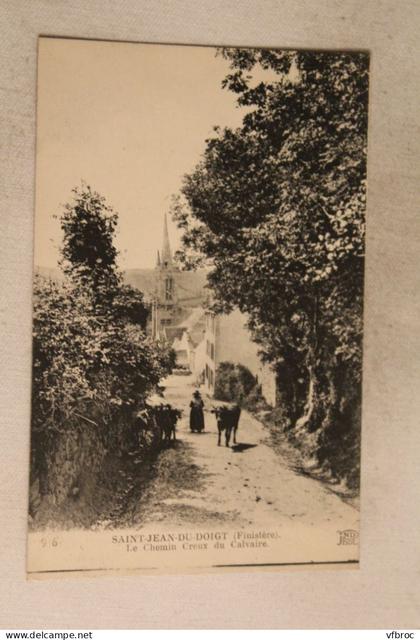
pixel 166 247
pixel 158 259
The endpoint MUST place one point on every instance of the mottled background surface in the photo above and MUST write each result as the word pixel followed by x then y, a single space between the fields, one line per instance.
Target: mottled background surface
pixel 384 592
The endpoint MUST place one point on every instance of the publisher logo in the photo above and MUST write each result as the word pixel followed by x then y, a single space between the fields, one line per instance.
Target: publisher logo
pixel 348 536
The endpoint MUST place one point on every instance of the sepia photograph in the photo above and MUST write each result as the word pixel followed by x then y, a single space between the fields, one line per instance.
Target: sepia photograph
pixel 197 308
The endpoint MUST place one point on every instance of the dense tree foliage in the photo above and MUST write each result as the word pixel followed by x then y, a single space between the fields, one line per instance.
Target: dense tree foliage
pixel 236 383
pixel 88 251
pixel 277 208
pixel 90 328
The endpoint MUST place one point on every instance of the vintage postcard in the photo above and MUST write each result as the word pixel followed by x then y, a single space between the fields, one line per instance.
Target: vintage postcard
pixel 198 307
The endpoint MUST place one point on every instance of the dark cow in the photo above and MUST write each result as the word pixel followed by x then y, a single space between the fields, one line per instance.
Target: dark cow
pixel 156 423
pixel 167 417
pixel 227 419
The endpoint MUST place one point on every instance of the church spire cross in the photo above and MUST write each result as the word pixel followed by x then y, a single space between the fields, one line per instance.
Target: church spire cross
pixel 166 247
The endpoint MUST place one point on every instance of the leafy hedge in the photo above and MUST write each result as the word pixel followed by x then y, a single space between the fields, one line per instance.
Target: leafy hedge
pixel 236 383
pixel 93 364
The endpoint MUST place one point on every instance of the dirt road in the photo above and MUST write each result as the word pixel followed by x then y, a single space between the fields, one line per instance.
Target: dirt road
pixel 197 482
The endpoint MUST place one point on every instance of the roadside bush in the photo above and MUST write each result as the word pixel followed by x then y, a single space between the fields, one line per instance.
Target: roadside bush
pixel 93 365
pixel 236 383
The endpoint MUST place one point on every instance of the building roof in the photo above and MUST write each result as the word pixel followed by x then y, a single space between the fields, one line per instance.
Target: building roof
pixel 190 285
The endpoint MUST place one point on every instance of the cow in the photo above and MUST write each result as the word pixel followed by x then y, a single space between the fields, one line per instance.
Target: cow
pixel 167 417
pixel 156 423
pixel 227 419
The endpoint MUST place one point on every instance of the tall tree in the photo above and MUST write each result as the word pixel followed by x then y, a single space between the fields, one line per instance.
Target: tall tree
pixel 89 340
pixel 277 207
pixel 89 225
pixel 89 255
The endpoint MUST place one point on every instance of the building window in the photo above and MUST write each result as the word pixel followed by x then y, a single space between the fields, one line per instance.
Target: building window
pixel 210 322
pixel 169 288
pixel 212 351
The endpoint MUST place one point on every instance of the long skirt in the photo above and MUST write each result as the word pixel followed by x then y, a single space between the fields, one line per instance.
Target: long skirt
pixel 196 419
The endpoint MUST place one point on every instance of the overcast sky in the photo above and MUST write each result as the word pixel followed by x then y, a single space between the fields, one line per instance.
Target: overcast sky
pixel 130 120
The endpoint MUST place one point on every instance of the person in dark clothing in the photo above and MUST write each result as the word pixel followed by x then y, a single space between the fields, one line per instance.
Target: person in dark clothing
pixel 196 413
